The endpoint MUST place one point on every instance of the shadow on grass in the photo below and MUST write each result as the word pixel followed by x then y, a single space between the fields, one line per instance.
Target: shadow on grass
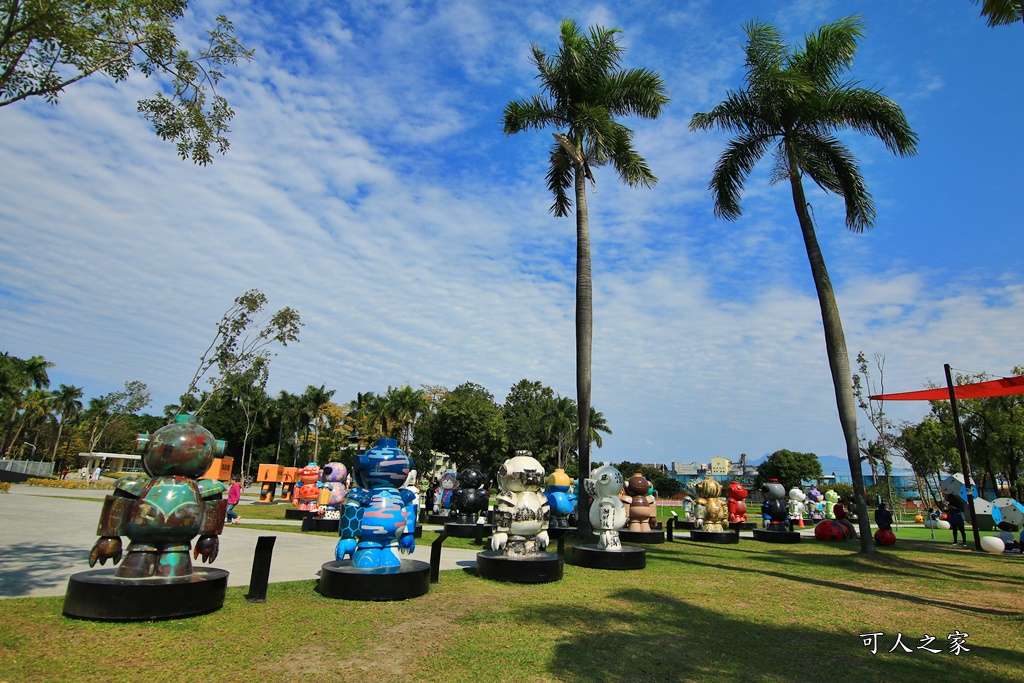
pixel 620 640
pixel 25 566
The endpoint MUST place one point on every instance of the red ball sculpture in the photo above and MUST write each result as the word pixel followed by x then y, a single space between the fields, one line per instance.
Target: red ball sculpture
pixel 829 530
pixel 885 537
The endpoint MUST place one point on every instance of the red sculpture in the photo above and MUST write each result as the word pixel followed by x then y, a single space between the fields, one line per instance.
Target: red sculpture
pixel 305 496
pixel 737 508
pixel 885 537
pixel 830 530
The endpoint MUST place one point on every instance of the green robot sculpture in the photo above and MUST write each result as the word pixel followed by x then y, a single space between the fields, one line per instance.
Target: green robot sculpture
pixel 162 513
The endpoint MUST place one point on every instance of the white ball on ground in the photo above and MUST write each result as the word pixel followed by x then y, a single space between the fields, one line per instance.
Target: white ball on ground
pixel 992 544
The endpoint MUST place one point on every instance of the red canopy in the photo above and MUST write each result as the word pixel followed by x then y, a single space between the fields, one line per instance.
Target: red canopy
pixel 1008 386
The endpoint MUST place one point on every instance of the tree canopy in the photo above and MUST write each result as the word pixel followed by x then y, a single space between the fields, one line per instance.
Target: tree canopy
pixel 47 45
pixel 791 468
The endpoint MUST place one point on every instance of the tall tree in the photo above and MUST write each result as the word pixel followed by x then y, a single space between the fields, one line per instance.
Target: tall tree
pixel 67 404
pixel 469 427
pixel 795 102
pixel 524 411
pixel 47 45
pixel 17 377
pixel 316 400
pixel 583 92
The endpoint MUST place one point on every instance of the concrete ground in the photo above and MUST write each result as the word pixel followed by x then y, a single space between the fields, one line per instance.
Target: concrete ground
pixel 46 535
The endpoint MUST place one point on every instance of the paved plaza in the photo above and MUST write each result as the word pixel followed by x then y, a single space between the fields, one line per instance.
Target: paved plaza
pixel 46 535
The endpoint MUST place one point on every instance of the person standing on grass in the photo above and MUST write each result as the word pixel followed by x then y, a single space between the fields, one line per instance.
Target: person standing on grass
pixel 956 522
pixel 234 495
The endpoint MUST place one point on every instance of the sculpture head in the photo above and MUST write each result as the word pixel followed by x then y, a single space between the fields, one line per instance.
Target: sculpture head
pixel 308 474
pixel 831 497
pixel 333 473
pixel 814 494
pixel 773 490
pixel 558 481
pixel 797 495
pixel 449 480
pixel 385 465
pixel 603 482
pixel 184 448
pixel 472 478
pixel 736 491
pixel 637 485
pixel 708 488
pixel 521 473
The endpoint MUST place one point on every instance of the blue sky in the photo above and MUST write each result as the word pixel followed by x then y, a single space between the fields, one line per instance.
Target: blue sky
pixel 369 186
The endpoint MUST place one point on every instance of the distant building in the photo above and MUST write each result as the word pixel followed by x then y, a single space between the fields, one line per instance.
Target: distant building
pixel 690 468
pixel 720 465
pixel 657 466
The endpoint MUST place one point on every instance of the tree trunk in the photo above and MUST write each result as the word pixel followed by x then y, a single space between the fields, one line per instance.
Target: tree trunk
pixel 838 357
pixel 584 340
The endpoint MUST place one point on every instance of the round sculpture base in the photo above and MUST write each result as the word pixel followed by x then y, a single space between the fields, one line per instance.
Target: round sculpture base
pixel 295 513
pixel 714 536
pixel 101 596
pixel 590 555
pixel 466 530
pixel 686 524
pixel 320 524
pixel 440 519
pixel 742 526
pixel 776 536
pixel 339 579
pixel 539 568
pixel 643 537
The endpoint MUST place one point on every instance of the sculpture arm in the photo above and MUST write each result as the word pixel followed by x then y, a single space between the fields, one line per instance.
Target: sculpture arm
pixel 208 547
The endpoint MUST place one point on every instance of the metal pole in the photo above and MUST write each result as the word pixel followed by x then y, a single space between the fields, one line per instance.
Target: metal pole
pixel 965 464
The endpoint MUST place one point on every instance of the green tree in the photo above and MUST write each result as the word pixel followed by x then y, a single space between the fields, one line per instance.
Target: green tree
pixel 316 400
pixel 17 377
pixel 795 101
pixel 67 404
pixel 583 92
pixel 469 427
pixel 243 339
pixel 46 45
pixel 525 410
pixel 113 408
pixel 1000 12
pixel 790 468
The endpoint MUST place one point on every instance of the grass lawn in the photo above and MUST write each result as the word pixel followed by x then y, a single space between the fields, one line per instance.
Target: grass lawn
pixel 751 612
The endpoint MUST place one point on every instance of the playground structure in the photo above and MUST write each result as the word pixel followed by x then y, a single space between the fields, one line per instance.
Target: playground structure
pixel 269 476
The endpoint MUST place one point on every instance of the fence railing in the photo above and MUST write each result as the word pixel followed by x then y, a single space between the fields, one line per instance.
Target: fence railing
pixel 33 468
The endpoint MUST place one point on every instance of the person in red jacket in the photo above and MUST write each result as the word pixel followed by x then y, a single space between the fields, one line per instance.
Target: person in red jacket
pixel 840 512
pixel 234 495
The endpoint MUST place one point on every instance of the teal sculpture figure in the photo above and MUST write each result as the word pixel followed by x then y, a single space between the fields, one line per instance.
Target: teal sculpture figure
pixel 161 513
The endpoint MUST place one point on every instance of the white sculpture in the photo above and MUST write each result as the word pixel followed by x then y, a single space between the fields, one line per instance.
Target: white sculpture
pixel 796 506
pixel 521 513
pixel 607 513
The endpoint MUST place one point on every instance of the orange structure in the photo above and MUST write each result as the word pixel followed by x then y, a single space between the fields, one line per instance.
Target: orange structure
pixel 220 469
pixel 270 476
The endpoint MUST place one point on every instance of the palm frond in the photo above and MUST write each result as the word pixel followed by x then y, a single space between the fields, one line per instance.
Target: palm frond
pixel 872 113
pixel 530 114
pixel 834 168
pixel 1001 12
pixel 631 167
pixel 731 171
pixel 560 178
pixel 829 51
pixel 637 92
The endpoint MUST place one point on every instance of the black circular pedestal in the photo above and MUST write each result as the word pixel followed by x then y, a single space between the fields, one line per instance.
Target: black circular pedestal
pixel 714 536
pixel 466 530
pixel 590 555
pixel 685 524
pixel 440 519
pixel 643 537
pixel 776 536
pixel 320 524
pixel 296 513
pixel 339 579
pixel 539 568
pixel 101 596
pixel 742 526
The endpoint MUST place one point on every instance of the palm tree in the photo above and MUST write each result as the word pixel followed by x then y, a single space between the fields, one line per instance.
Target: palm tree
pixel 795 101
pixel 583 91
pixel 68 404
pixel 405 405
pixel 598 424
pixel 1001 12
pixel 561 418
pixel 17 376
pixel 315 400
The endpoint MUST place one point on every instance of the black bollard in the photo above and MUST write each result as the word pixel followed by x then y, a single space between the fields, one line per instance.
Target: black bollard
pixel 435 556
pixel 669 527
pixel 261 569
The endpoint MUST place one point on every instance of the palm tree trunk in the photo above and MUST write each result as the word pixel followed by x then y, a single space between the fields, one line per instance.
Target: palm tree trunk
pixel 584 341
pixel 838 356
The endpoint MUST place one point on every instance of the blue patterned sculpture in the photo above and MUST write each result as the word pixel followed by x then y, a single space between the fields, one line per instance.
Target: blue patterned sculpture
pixel 561 500
pixel 378 519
